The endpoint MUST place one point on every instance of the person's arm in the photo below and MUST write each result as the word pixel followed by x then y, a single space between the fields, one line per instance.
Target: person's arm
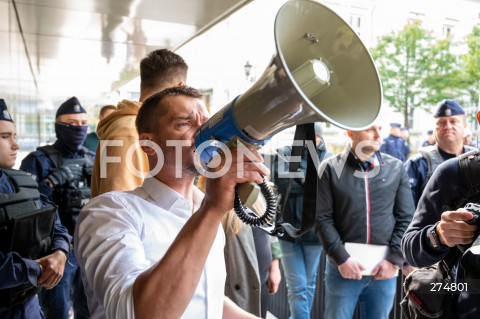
pixel 415 178
pixel 403 210
pixel 53 265
pixel 176 276
pixel 452 229
pixel 37 164
pixel 324 218
pixel 179 271
pixel 15 270
pixel 406 149
pixel 274 276
pixel 61 239
pixel 384 270
pixel 111 253
pixel 443 188
pixel 232 311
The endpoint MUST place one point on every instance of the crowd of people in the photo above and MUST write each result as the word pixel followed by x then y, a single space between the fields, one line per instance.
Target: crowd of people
pixel 118 224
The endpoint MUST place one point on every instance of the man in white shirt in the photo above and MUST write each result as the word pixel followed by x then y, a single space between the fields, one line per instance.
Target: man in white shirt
pixel 157 251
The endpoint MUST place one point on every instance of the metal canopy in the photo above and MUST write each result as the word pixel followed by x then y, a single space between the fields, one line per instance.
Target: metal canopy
pixel 53 49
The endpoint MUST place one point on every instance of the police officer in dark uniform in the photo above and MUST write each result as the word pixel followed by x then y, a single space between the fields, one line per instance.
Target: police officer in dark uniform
pixel 437 228
pixel 449 127
pixel 430 139
pixel 63 172
pixel 30 257
pixel 394 144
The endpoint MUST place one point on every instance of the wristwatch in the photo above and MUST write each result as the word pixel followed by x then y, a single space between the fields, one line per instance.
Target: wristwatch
pixel 433 236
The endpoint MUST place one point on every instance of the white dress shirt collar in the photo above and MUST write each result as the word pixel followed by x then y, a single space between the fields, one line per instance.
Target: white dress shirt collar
pixel 170 200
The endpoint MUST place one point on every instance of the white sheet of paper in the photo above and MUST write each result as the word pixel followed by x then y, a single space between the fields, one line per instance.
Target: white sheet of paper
pixel 367 255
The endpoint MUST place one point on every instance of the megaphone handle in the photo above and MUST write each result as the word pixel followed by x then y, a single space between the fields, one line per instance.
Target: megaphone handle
pixel 250 219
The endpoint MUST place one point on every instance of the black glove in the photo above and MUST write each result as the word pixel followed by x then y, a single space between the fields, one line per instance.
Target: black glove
pixel 63 175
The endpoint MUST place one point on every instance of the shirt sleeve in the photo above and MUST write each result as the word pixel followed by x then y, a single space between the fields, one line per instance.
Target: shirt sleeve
pixel 15 270
pixel 403 212
pixel 415 179
pixel 61 239
pixel 324 221
pixel 39 166
pixel 110 252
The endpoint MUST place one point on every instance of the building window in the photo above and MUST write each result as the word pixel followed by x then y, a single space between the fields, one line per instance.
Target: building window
pixel 356 23
pixel 447 30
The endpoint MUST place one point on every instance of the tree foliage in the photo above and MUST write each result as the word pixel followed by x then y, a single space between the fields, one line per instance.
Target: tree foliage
pixel 418 70
pixel 470 65
pixel 403 62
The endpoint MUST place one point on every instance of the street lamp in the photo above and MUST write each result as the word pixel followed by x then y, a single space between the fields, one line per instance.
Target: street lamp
pixel 248 68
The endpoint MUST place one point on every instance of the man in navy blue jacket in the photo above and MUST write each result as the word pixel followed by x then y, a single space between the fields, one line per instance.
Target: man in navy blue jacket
pixel 63 173
pixel 438 227
pixel 394 144
pixel 20 275
pixel 450 123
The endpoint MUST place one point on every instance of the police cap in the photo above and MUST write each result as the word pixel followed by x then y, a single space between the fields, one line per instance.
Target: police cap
pixel 4 114
pixel 448 108
pixel 70 106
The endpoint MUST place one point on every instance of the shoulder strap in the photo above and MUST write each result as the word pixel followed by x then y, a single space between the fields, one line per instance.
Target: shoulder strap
pixel 469 148
pixel 297 150
pixel 470 169
pixel 53 154
pixel 25 187
pixel 303 132
pixel 21 178
pixel 23 201
pixel 433 159
pixel 88 156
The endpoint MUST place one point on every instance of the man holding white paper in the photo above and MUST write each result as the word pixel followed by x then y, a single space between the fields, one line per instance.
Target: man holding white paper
pixel 364 207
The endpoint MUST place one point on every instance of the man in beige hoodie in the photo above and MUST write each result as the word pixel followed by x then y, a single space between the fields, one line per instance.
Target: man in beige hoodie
pixel 120 164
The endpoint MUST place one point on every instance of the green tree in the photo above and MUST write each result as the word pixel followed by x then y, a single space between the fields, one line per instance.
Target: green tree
pixel 443 73
pixel 470 65
pixel 414 67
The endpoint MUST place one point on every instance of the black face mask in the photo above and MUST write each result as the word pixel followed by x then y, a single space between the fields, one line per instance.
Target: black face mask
pixel 70 135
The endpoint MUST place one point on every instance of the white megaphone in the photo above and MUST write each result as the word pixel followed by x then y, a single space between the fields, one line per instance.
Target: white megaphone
pixel 322 72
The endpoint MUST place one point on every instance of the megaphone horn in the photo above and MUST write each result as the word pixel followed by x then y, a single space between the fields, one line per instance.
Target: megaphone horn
pixel 322 72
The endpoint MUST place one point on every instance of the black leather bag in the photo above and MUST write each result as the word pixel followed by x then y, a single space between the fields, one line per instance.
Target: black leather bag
pixel 422 298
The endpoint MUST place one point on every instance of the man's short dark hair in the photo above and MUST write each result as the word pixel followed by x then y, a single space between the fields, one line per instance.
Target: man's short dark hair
pixel 152 109
pixel 161 66
pixel 106 108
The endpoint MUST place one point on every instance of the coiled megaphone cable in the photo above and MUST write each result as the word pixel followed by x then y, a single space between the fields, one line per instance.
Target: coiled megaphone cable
pixel 249 217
